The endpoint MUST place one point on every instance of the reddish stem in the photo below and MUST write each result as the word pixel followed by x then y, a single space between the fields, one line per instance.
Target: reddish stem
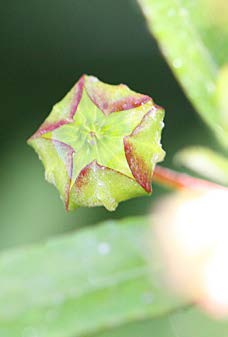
pixel 180 181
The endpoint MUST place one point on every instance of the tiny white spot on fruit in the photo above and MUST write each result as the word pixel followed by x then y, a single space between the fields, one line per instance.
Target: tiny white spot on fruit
pixel 177 63
pixel 210 87
pixel 183 11
pixel 171 12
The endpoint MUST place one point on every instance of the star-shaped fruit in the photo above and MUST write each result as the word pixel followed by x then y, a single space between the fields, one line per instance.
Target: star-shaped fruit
pixel 100 144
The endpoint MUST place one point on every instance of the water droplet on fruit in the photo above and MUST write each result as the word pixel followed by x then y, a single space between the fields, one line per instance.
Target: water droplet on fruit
pixel 171 12
pixel 177 63
pixel 183 11
pixel 210 87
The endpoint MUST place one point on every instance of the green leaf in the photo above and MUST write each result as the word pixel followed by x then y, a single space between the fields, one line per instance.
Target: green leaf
pixel 222 95
pixel 188 322
pixel 195 46
pixel 84 144
pixel 206 162
pixel 159 326
pixel 192 322
pixel 81 284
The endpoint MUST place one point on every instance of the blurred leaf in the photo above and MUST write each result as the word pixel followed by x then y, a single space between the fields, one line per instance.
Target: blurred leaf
pixel 38 213
pixel 78 285
pixel 195 47
pixel 150 328
pixel 188 322
pixel 206 162
pixel 193 323
pixel 222 94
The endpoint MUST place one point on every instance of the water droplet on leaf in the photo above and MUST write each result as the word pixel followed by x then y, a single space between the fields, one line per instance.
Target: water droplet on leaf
pixel 104 248
pixel 147 298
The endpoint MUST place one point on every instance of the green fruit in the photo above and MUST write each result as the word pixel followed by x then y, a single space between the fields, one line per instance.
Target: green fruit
pixel 100 144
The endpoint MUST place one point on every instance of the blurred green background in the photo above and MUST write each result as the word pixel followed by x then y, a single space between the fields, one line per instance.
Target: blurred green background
pixel 46 46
